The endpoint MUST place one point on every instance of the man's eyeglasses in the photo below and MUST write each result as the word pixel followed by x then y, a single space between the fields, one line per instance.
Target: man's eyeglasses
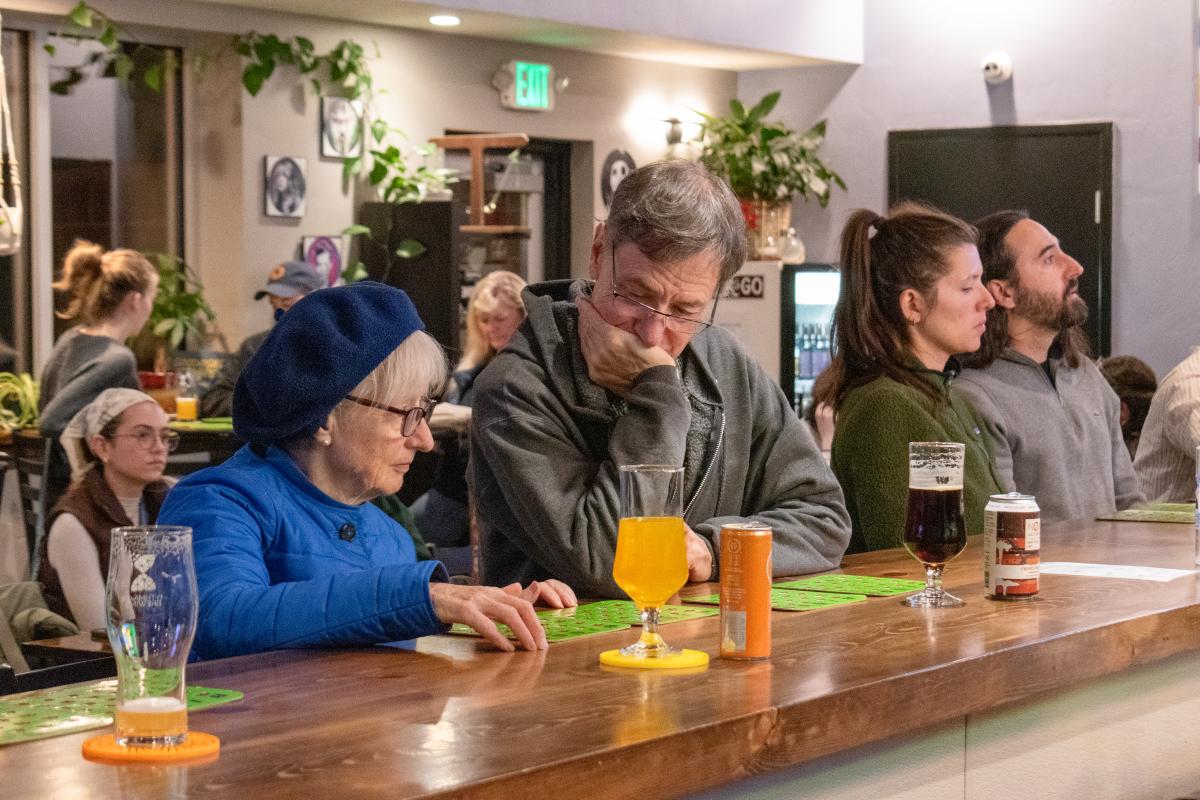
pixel 146 438
pixel 412 416
pixel 688 325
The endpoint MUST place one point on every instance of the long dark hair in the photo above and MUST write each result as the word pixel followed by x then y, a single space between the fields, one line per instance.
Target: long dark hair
pixel 881 257
pixel 1000 263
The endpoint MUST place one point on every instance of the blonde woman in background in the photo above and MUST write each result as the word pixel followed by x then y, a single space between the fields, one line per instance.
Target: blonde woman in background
pixel 494 313
pixel 111 297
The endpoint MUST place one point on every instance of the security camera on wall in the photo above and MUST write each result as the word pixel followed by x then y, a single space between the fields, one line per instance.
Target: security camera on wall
pixel 997 67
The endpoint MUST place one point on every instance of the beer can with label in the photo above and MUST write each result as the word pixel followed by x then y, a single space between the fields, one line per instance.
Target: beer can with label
pixel 1012 541
pixel 746 591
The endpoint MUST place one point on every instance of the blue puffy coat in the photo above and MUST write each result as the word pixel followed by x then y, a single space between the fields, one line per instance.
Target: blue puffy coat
pixel 277 567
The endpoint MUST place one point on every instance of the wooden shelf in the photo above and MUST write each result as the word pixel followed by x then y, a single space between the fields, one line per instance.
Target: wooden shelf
pixel 515 231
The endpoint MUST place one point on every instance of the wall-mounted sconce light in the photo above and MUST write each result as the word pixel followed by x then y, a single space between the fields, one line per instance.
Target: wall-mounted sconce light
pixel 674 130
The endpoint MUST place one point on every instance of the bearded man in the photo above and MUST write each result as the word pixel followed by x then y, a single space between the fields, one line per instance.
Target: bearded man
pixel 1053 420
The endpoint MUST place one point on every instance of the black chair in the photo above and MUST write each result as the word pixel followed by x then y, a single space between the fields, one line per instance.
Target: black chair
pixel 200 449
pixel 32 453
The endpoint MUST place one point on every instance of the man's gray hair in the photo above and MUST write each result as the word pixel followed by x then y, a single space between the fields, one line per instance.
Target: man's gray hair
pixel 672 210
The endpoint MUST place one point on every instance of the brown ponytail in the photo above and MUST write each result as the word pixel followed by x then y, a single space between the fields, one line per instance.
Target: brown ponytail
pixel 99 281
pixel 880 258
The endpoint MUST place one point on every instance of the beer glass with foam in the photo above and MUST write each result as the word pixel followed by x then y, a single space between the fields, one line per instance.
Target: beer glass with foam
pixel 152 607
pixel 651 560
pixel 934 531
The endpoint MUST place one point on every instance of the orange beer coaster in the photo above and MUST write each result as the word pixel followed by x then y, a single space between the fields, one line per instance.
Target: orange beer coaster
pixel 684 659
pixel 794 599
pixel 196 747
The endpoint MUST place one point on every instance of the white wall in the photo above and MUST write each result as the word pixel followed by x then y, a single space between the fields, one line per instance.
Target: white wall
pixel 1075 60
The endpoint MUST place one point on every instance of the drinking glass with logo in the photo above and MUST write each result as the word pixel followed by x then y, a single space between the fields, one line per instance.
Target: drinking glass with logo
pixel 934 531
pixel 152 608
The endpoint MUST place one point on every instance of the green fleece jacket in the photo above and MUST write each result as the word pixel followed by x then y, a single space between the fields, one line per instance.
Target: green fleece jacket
pixel 875 424
pixel 546 442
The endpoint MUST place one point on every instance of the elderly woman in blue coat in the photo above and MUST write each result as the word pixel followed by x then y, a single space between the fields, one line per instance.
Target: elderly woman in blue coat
pixel 289 552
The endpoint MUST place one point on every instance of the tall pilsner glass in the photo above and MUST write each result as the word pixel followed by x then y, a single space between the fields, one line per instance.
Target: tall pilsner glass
pixel 152 608
pixel 934 531
pixel 651 561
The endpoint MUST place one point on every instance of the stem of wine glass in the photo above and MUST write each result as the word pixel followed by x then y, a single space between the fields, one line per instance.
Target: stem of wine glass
pixel 933 580
pixel 650 637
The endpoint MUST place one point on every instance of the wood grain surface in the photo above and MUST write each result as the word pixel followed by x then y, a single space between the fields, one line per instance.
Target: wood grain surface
pixel 455 718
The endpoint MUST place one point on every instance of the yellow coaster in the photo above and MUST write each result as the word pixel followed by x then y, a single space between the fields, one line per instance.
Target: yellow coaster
pixel 685 658
pixel 196 746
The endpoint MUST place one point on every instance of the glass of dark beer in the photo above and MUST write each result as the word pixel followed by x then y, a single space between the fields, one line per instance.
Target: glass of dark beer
pixel 934 531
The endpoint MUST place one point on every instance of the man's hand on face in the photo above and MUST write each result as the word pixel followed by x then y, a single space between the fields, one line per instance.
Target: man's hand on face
pixel 614 357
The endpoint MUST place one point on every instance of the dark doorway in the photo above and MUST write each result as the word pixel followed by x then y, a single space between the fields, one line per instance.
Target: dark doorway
pixel 1061 174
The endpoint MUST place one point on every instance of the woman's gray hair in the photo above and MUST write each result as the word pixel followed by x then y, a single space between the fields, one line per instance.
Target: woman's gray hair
pixel 417 368
pixel 672 210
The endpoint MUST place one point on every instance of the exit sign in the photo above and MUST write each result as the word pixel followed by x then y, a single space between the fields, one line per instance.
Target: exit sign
pixel 526 86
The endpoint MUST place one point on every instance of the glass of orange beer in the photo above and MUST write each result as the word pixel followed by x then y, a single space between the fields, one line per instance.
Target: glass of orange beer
pixel 152 607
pixel 651 561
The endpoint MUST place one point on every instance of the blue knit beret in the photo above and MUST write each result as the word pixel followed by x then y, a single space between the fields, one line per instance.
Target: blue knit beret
pixel 315 355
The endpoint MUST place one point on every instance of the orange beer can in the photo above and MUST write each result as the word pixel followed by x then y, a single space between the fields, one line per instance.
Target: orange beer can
pixel 745 591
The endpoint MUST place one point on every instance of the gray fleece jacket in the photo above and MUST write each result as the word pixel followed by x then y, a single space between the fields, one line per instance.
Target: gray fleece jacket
pixel 546 442
pixel 1060 440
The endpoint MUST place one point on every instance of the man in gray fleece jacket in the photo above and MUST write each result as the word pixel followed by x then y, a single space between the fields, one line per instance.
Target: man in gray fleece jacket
pixel 625 369
pixel 1054 422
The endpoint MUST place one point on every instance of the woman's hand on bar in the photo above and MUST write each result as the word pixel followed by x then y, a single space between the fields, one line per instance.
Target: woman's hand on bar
pixel 481 607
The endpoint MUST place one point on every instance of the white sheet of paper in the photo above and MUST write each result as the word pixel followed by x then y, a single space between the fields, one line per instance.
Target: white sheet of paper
pixel 1160 574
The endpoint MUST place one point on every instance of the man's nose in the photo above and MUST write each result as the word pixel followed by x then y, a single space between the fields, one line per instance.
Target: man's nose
pixel 1074 269
pixel 652 330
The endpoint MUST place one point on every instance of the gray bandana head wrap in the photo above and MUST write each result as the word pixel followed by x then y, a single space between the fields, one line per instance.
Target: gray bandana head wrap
pixel 90 420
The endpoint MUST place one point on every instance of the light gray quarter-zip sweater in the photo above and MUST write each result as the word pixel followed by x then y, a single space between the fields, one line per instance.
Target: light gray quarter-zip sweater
pixel 1059 440
pixel 546 442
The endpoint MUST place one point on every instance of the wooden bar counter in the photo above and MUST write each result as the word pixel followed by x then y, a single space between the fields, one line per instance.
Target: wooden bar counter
pixel 873 692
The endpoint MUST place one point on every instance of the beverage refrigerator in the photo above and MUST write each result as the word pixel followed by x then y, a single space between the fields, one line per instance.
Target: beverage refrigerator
pixel 808 295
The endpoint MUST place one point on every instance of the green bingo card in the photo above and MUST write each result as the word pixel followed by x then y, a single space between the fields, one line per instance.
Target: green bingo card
pixel 1155 512
pixel 79 707
pixel 561 624
pixel 855 584
pixel 793 600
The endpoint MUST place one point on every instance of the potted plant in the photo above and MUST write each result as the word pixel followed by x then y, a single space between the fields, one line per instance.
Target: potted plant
pixel 18 402
pixel 766 164
pixel 179 310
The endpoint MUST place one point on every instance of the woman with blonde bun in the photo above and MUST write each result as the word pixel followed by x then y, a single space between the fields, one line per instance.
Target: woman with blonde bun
pixel 111 297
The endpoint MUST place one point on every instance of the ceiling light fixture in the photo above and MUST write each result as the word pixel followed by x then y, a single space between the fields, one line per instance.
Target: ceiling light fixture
pixel 444 20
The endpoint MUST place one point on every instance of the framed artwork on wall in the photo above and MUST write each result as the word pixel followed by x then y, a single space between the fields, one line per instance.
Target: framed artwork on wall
pixel 617 164
pixel 341 127
pixel 326 254
pixel 284 186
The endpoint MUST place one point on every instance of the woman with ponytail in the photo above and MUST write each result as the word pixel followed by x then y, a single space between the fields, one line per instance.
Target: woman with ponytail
pixel 911 298
pixel 111 297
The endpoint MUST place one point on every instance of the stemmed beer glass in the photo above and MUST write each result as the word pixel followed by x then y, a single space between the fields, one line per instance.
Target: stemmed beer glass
pixel 934 531
pixel 651 560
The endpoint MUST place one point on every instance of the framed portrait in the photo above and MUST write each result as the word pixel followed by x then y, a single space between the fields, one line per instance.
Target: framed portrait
pixel 617 164
pixel 327 256
pixel 284 186
pixel 341 127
